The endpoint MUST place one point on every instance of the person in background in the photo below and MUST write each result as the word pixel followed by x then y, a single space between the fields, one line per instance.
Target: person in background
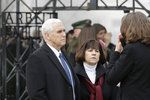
pixel 104 39
pixel 86 33
pixel 72 46
pixel 91 73
pixel 49 75
pixel 130 64
pixel 109 45
pixel 77 26
pixel 69 36
pixel 100 32
pixel 69 39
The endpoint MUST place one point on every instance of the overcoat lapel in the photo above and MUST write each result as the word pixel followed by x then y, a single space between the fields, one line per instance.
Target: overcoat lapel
pixel 55 60
pixel 81 71
pixel 100 70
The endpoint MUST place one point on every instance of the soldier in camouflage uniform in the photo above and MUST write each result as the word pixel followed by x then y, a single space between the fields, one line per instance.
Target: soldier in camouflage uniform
pixel 71 49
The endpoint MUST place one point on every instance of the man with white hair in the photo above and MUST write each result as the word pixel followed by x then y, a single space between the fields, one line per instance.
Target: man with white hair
pixel 49 73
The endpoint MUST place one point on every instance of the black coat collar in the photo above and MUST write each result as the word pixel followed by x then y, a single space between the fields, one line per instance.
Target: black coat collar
pixel 53 58
pixel 80 71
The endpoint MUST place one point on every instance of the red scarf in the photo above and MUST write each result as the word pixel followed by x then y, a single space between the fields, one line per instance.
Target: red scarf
pixel 94 89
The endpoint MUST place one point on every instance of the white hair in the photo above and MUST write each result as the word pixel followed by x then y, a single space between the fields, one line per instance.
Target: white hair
pixel 47 26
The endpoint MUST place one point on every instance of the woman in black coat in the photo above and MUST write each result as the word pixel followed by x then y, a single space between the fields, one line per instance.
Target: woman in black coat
pixel 131 65
pixel 91 72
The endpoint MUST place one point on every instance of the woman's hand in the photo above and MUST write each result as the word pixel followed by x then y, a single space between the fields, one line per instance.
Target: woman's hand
pixel 119 47
pixel 102 43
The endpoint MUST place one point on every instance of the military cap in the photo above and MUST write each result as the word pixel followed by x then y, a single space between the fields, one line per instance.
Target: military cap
pixel 82 23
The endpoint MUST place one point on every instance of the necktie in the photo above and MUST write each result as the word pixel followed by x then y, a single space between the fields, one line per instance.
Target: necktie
pixel 68 72
pixel 66 67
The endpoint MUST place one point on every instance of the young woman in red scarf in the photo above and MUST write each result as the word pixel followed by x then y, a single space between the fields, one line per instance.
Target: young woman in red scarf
pixel 91 73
